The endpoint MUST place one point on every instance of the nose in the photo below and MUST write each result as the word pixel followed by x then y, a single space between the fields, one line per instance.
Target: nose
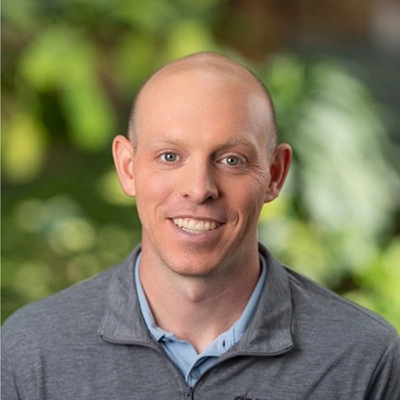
pixel 198 182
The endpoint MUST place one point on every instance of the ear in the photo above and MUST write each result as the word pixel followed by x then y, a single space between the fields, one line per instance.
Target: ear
pixel 279 167
pixel 123 154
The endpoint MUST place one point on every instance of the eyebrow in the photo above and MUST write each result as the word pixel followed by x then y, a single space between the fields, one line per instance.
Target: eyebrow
pixel 231 142
pixel 237 142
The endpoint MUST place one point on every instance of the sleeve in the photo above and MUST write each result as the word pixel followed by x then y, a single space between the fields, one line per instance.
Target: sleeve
pixel 385 383
pixel 8 386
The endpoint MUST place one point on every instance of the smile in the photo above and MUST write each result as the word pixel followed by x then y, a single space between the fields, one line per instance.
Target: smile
pixel 195 226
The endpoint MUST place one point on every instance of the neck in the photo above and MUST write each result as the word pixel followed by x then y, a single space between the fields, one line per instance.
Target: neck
pixel 198 309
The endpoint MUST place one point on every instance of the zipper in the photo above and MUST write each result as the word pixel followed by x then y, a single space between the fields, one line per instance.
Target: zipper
pixel 189 393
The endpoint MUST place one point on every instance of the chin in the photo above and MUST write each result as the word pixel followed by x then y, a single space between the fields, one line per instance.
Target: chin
pixel 193 266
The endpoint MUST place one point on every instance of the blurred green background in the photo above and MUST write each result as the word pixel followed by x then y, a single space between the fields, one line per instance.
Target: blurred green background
pixel 70 70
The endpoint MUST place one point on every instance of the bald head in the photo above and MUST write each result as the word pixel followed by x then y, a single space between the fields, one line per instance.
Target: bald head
pixel 221 71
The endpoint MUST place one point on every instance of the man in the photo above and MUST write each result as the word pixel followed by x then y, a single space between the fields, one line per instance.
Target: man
pixel 200 310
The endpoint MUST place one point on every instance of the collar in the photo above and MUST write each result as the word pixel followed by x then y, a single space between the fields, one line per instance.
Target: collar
pixel 268 334
pixel 229 337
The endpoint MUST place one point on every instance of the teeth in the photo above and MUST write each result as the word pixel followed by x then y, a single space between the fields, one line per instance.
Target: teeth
pixel 194 226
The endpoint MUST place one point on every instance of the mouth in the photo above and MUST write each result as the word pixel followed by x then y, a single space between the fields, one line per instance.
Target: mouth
pixel 195 226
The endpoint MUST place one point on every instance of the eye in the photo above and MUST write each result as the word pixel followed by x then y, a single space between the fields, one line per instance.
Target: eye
pixel 231 160
pixel 169 157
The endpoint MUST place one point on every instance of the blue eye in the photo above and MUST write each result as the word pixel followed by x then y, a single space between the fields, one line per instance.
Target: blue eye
pixel 169 157
pixel 232 160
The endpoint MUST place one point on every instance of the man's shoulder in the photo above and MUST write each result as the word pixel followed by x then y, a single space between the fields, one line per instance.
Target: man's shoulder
pixel 315 305
pixel 73 309
pixel 320 312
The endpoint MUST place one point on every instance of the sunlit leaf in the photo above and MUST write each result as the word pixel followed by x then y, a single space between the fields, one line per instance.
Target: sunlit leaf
pixel 92 122
pixel 31 215
pixel 21 12
pixel 63 59
pixel 57 56
pixel 24 147
pixel 186 37
pixel 134 61
pixel 148 15
pixel 71 235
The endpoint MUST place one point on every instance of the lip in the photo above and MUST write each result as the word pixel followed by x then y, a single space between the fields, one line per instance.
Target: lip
pixel 203 218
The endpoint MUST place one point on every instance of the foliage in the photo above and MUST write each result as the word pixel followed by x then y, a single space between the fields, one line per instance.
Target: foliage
pixel 337 210
pixel 70 70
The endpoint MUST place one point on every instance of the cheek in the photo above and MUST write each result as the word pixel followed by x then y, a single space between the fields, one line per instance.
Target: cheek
pixel 152 190
pixel 247 199
pixel 252 191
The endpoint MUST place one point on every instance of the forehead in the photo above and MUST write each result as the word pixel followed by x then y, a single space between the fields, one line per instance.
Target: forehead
pixel 227 93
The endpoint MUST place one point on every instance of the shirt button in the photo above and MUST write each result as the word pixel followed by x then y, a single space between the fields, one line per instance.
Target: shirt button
pixel 195 373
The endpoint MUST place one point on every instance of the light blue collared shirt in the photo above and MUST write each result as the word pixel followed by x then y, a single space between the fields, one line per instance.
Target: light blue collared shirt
pixel 182 353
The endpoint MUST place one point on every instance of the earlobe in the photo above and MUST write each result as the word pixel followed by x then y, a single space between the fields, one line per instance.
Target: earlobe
pixel 279 168
pixel 123 154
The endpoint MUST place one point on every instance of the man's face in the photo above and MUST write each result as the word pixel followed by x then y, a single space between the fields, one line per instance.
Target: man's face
pixel 201 171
